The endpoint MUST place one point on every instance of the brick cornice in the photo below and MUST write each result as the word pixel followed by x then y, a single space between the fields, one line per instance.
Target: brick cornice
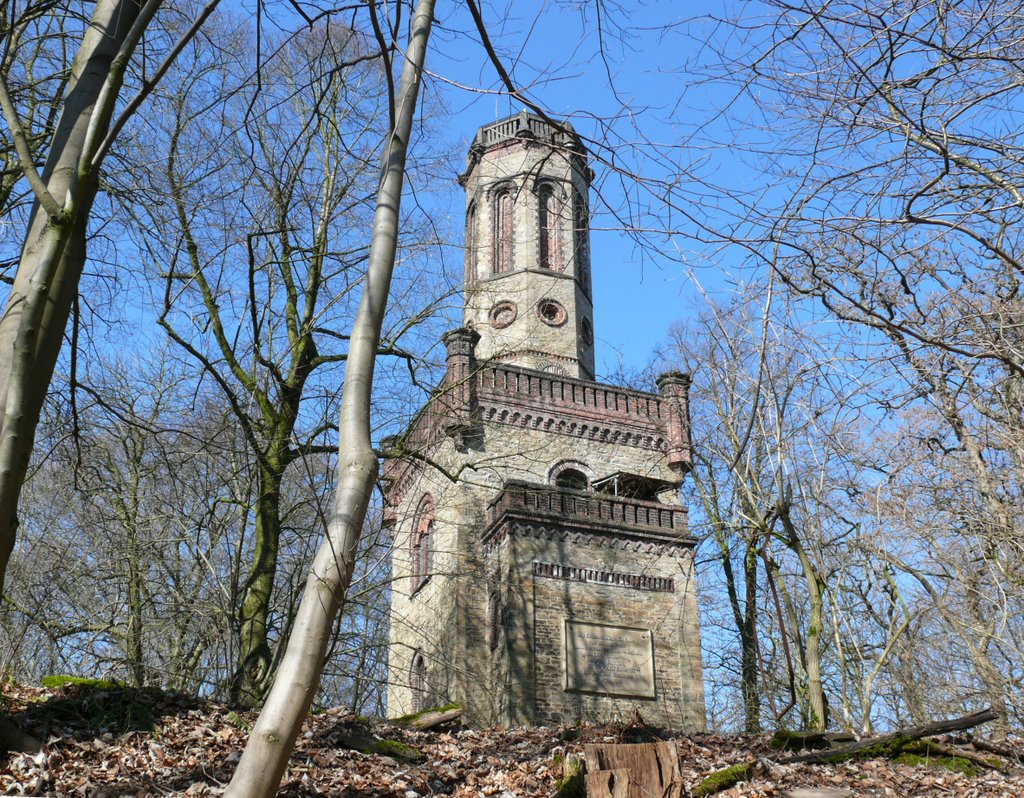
pixel 473 395
pixel 522 397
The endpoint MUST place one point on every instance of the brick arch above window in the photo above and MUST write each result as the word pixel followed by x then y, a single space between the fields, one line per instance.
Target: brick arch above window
pixel 421 543
pixel 573 474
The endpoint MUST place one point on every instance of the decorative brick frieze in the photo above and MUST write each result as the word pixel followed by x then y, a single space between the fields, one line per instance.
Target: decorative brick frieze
pixel 510 356
pixel 653 584
pixel 553 532
pixel 551 422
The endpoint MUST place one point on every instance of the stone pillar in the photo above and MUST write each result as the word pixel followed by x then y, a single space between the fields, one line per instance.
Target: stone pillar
pixel 459 386
pixel 674 387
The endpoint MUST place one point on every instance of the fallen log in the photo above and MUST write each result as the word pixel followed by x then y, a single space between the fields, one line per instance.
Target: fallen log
pixel 931 748
pixel 360 739
pixel 993 748
pixel 886 745
pixel 430 718
pixel 724 779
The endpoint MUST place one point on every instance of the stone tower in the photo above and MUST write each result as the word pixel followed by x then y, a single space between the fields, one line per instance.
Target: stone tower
pixel 542 563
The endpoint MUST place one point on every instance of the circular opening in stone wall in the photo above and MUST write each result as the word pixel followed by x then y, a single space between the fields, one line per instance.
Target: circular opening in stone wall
pixel 586 332
pixel 503 314
pixel 551 312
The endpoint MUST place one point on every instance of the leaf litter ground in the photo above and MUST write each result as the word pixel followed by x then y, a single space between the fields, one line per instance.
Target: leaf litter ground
pixel 109 741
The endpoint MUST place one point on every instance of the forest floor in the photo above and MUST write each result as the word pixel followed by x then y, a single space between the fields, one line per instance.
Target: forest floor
pixel 104 742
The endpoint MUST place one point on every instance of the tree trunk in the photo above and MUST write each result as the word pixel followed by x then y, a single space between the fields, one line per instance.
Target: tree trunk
pixel 748 645
pixel 53 253
pixel 273 737
pixel 811 651
pixel 254 657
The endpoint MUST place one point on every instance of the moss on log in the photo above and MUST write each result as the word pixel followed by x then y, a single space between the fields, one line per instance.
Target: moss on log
pixel 723 779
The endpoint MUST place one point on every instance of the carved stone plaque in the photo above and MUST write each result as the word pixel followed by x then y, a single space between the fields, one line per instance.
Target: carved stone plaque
pixel 614 660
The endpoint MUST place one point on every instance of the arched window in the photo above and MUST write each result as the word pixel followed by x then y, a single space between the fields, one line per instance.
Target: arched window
pixel 581 249
pixel 496 619
pixel 549 228
pixel 503 231
pixel 471 245
pixel 418 681
pixel 421 543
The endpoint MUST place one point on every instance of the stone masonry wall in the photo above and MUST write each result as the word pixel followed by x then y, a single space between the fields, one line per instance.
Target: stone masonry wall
pixel 542 604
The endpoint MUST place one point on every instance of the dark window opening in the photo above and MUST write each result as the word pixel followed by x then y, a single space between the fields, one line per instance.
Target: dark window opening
pixel 573 479
pixel 548 228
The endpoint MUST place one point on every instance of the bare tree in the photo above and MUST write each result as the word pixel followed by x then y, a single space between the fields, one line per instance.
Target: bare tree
pixel 266 754
pixel 54 249
pixel 259 248
pixel 894 199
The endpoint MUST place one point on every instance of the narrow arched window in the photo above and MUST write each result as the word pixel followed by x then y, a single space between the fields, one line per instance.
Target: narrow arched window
pixel 581 235
pixel 496 620
pixel 503 231
pixel 421 543
pixel 471 245
pixel 418 682
pixel 549 229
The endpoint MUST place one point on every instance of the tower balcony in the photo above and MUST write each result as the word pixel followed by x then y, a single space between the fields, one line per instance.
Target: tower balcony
pixel 525 125
pixel 591 512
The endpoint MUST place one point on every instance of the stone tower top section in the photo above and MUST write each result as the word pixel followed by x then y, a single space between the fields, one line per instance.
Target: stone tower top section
pixel 527 283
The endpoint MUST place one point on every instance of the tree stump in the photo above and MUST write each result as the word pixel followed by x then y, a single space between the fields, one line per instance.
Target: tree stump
pixel 633 771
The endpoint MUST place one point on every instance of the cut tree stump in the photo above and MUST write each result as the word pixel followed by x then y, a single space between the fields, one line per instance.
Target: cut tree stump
pixel 640 770
pixel 608 784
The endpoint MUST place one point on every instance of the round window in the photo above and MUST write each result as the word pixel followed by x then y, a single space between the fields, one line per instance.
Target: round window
pixel 551 312
pixel 503 314
pixel 587 332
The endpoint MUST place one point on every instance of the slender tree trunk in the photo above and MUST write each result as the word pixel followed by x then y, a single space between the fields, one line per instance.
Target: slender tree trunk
pixel 980 627
pixel 251 677
pixel 748 645
pixel 53 253
pixel 134 633
pixel 273 737
pixel 811 650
